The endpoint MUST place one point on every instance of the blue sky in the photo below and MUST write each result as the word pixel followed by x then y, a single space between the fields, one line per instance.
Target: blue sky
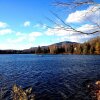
pixel 23 23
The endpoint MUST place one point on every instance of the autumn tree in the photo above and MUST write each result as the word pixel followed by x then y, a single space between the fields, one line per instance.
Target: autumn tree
pixel 79 49
pixel 97 48
pixel 86 48
pixel 92 49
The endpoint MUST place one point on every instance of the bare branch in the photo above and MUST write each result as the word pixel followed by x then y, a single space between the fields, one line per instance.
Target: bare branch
pixel 76 3
pixel 66 26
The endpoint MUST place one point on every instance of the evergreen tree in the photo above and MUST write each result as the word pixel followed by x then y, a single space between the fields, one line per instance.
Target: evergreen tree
pixel 39 50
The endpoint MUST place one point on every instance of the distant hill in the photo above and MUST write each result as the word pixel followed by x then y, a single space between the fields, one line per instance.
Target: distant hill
pixel 66 47
pixel 64 42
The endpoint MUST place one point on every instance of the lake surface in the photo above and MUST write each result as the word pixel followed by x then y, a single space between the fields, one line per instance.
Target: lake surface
pixel 53 77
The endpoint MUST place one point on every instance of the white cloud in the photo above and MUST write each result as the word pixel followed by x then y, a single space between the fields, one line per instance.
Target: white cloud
pixel 90 14
pixel 23 37
pixel 15 46
pixel 41 26
pixel 35 34
pixel 3 25
pixel 77 16
pixel 64 35
pixel 17 40
pixel 88 28
pixel 86 18
pixel 6 31
pixel 27 23
pixel 78 38
pixel 57 31
pixel 19 34
pixel 21 41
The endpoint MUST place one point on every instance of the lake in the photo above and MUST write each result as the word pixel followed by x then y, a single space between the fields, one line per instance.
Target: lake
pixel 53 77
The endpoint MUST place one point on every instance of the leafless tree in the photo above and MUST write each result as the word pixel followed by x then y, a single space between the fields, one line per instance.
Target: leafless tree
pixel 61 24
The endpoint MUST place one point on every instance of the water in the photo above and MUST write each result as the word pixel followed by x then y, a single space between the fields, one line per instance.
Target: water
pixel 53 77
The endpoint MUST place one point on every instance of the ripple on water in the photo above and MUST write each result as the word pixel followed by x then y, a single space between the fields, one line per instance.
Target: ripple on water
pixel 53 77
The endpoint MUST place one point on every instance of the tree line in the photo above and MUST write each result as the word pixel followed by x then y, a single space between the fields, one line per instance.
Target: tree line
pixel 90 47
